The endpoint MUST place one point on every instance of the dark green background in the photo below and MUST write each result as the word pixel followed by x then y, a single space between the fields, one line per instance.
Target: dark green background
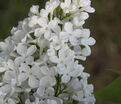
pixel 105 25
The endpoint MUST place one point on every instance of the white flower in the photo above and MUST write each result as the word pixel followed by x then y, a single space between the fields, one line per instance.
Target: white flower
pixel 51 102
pixel 31 74
pixel 38 63
pixel 10 72
pixel 23 51
pixel 84 15
pixel 75 2
pixel 72 70
pixel 85 33
pixel 2 96
pixel 84 91
pixel 56 43
pixel 67 6
pixel 89 9
pixel 11 101
pixel 6 48
pixel 70 34
pixel 44 13
pixel 2 66
pixel 33 21
pixel 64 56
pixel 84 3
pixel 10 89
pixel 35 102
pixel 20 32
pixel 42 43
pixel 77 21
pixel 79 18
pixel 5 89
pixel 87 41
pixel 50 6
pixel 49 76
pixel 79 54
pixel 45 92
pixel 6 66
pixel 47 26
pixel 34 9
pixel 28 102
pixel 51 52
pixel 26 54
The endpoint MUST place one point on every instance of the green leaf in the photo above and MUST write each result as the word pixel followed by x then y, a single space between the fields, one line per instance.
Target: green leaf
pixel 115 71
pixel 111 93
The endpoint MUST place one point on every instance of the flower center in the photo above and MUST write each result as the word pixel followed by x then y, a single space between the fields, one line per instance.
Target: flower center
pixel 57 44
pixel 30 73
pixel 46 28
pixel 48 94
pixel 61 62
pixel 66 8
pixel 70 34
pixel 51 76
pixel 67 74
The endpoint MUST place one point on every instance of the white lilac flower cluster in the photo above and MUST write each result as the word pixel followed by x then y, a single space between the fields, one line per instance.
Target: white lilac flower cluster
pixel 41 63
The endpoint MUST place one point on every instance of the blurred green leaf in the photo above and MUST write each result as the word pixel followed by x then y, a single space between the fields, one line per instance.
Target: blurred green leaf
pixel 111 93
pixel 115 71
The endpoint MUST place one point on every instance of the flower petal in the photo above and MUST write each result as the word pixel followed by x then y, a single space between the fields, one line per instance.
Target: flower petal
pixel 18 35
pixel 44 81
pixel 31 50
pixel 68 27
pixel 21 49
pixel 22 77
pixel 89 9
pixel 51 101
pixel 29 60
pixel 5 89
pixel 67 2
pixel 33 82
pixel 64 36
pixel 2 69
pixel 19 60
pixel 39 32
pixel 73 40
pixel 45 70
pixel 42 22
pixel 86 51
pixel 52 81
pixel 91 41
pixel 85 33
pixel 40 91
pixel 24 67
pixel 10 64
pixel 54 59
pixel 47 35
pixel 65 78
pixel 11 101
pixel 77 33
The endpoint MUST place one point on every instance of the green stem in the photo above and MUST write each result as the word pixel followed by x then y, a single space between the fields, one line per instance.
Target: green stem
pixel 58 88
pixel 21 102
pixel 57 85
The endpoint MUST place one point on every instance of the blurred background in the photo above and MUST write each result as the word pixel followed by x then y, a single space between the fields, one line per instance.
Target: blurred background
pixel 105 26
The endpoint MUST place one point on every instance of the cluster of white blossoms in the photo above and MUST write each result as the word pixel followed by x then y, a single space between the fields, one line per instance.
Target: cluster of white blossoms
pixel 41 63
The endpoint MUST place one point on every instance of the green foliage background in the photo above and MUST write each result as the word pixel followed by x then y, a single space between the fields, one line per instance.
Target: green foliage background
pixel 105 25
